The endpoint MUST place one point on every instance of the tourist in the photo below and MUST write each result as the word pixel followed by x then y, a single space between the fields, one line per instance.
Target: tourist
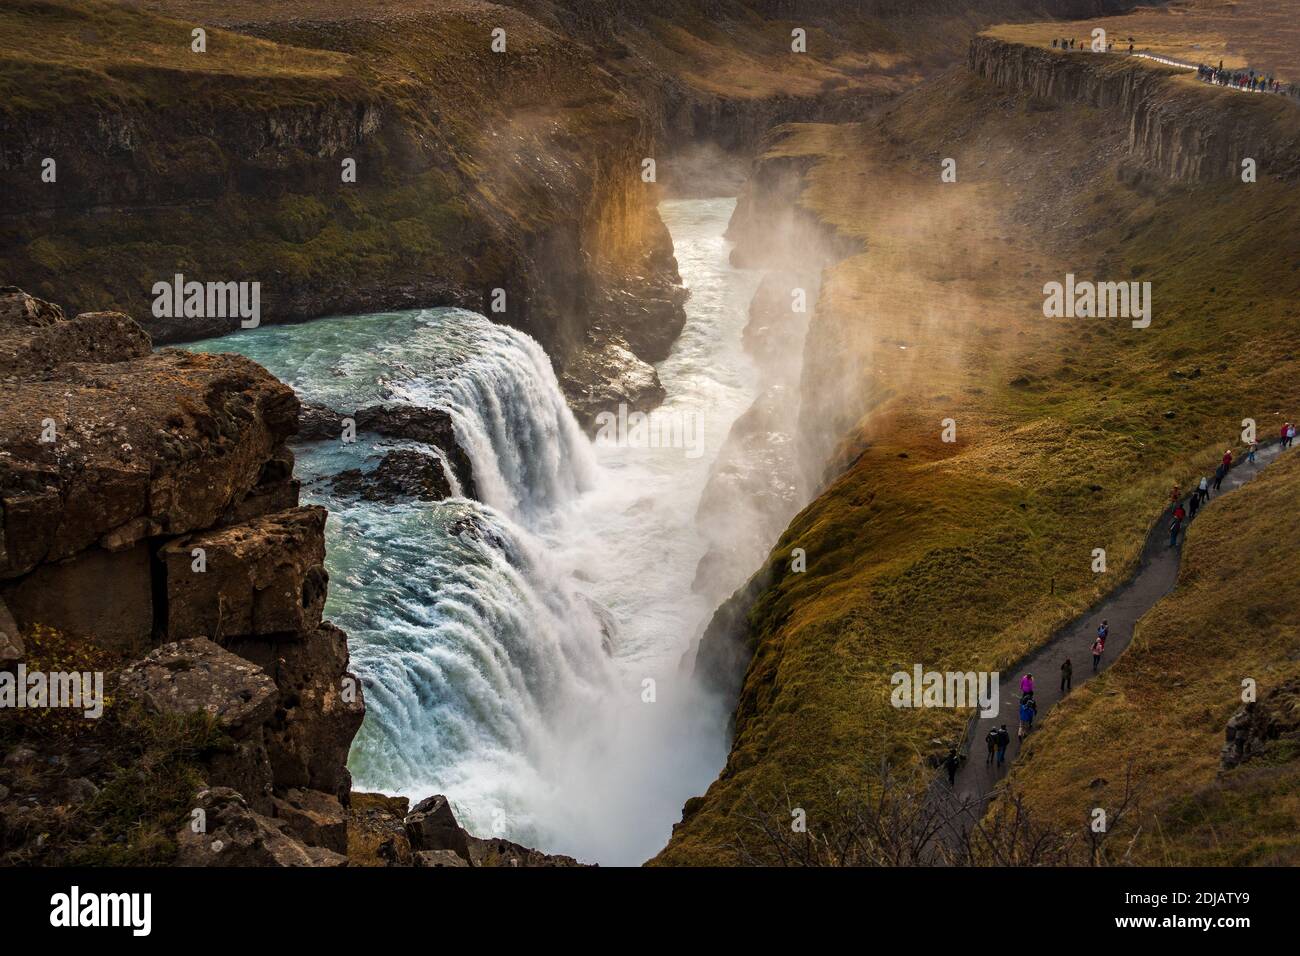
pixel 1067 672
pixel 1028 708
pixel 1004 741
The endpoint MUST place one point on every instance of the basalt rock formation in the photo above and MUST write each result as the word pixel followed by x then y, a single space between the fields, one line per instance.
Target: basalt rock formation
pixel 401 474
pixel 1183 132
pixel 430 426
pixel 150 528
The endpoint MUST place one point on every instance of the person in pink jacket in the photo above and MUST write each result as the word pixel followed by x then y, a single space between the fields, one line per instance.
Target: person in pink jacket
pixel 1027 684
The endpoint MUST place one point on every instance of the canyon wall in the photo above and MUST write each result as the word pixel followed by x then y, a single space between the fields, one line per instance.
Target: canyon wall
pixel 921 550
pixel 1181 129
pixel 510 184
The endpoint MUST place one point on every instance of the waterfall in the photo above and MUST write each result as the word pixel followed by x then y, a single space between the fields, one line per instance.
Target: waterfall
pixel 520 653
pixel 485 668
pixel 528 452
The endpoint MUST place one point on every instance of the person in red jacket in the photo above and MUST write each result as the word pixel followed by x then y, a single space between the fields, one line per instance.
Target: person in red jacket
pixel 1227 458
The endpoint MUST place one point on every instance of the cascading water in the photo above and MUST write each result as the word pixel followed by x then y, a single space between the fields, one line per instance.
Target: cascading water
pixel 520 653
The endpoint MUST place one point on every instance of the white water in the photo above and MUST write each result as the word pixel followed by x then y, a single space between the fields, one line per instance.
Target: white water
pixel 505 646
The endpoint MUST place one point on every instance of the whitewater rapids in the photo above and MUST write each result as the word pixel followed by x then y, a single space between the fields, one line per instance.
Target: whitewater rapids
pixel 521 653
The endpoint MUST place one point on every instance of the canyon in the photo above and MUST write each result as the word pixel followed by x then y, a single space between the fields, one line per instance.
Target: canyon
pixel 499 589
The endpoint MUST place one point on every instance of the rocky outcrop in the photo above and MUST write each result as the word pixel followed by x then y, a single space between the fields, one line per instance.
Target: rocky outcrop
pixel 1185 131
pixel 260 578
pixel 386 831
pixel 436 839
pixel 233 834
pixel 1268 725
pixel 431 426
pixel 150 511
pixel 401 475
pixel 197 676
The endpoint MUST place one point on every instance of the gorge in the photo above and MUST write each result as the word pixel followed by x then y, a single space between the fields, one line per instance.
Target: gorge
pixel 448 616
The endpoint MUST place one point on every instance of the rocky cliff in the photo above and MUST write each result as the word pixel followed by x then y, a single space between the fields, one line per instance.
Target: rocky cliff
pixel 344 166
pixel 1180 129
pixel 151 534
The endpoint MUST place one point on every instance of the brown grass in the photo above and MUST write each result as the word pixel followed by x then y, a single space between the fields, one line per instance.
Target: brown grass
pixel 966 556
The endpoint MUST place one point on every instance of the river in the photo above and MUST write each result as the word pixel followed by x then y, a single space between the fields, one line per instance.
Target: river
pixel 522 654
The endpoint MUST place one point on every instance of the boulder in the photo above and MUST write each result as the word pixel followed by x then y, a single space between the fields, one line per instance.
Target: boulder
pixel 402 474
pixel 315 818
pixel 263 577
pixel 431 825
pixel 36 337
pixel 233 834
pixel 1270 723
pixel 196 675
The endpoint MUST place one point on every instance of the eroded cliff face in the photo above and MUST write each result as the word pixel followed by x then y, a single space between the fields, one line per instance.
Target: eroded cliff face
pixel 345 166
pixel 1180 129
pixel 151 533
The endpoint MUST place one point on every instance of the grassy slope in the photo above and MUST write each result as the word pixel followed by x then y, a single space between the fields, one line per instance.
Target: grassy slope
pixel 479 134
pixel 1162 707
pixel 965 556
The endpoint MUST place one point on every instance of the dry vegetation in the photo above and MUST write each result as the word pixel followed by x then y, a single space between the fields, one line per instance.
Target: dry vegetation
pixel 1070 432
pixel 1262 34
pixel 1162 708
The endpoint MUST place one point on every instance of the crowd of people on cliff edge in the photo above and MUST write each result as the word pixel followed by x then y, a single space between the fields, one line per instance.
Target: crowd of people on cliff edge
pixel 1247 80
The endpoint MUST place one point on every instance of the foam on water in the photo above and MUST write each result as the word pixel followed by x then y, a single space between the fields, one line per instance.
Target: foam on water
pixel 506 645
